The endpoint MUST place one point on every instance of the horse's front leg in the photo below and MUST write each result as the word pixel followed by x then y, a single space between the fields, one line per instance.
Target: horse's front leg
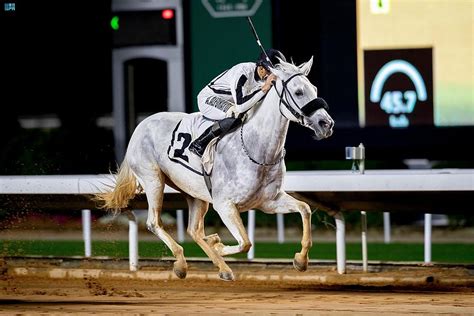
pixel 284 204
pixel 232 220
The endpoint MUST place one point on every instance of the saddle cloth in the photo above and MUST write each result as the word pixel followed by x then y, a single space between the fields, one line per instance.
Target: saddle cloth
pixel 187 130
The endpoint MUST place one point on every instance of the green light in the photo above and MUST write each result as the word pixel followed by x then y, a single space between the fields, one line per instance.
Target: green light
pixel 114 23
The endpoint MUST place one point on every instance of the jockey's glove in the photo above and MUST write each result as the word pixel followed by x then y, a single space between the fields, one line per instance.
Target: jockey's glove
pixel 231 112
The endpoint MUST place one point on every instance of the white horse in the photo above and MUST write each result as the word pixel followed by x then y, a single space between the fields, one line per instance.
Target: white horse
pixel 248 170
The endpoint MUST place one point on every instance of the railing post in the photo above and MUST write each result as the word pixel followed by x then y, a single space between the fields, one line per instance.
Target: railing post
pixel 86 232
pixel 340 243
pixel 357 155
pixel 132 241
pixel 251 232
pixel 386 228
pixel 281 228
pixel 427 238
pixel 364 241
pixel 180 225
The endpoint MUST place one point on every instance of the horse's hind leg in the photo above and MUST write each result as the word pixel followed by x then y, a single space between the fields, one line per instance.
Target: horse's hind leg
pixel 197 211
pixel 154 187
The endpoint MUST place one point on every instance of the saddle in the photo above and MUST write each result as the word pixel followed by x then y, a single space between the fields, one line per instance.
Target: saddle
pixel 187 130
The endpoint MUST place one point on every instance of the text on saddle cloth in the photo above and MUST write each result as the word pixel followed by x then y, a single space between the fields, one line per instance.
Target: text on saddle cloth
pixel 187 130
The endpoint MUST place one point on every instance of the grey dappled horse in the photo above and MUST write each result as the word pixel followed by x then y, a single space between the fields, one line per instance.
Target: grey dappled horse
pixel 248 170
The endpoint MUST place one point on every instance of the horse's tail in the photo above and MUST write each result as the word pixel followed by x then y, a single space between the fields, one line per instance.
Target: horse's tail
pixel 124 190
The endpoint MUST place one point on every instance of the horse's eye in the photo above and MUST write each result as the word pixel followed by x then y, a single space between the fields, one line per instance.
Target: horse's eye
pixel 299 93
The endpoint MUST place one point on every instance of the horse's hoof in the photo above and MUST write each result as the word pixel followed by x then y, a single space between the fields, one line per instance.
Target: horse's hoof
pixel 226 276
pixel 300 264
pixel 179 271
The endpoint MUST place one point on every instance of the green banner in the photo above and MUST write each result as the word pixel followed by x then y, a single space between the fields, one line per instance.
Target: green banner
pixel 218 43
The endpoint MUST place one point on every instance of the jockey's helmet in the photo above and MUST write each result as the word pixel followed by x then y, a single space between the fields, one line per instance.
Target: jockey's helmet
pixel 272 54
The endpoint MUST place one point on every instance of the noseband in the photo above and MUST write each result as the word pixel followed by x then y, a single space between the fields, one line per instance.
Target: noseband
pixel 305 111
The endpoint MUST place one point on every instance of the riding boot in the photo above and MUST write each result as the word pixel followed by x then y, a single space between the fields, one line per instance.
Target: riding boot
pixel 198 146
pixel 230 123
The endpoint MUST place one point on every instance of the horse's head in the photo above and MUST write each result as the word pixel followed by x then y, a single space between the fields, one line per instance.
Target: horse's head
pixel 299 100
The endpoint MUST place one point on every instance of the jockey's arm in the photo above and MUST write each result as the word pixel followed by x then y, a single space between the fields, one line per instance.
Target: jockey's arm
pixel 244 103
pixel 269 80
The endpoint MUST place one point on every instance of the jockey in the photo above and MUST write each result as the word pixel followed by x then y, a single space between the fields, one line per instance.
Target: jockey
pixel 232 93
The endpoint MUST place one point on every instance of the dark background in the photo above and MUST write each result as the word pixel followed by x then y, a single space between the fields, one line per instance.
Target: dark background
pixel 56 58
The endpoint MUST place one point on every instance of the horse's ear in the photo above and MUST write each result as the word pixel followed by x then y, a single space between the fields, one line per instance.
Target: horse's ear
pixel 306 67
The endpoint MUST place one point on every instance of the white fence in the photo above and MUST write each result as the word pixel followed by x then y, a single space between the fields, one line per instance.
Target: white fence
pixel 305 184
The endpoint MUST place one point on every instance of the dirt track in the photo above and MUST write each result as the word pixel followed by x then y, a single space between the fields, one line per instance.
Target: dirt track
pixel 79 286
pixel 185 297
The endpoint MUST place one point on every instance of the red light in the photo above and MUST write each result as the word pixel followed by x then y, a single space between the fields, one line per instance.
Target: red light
pixel 167 14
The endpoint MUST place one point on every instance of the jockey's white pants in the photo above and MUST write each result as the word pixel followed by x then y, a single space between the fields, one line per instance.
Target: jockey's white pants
pixel 212 105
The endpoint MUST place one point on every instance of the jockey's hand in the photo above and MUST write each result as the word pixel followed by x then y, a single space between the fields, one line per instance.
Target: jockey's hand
pixel 231 112
pixel 268 82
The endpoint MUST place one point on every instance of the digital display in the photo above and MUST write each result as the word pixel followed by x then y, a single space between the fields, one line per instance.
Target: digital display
pixel 140 28
pixel 438 38
pixel 399 87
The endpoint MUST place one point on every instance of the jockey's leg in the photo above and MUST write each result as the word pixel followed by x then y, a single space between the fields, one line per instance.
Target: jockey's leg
pixel 219 128
pixel 284 204
pixel 198 146
pixel 154 185
pixel 197 211
pixel 232 220
pixel 230 123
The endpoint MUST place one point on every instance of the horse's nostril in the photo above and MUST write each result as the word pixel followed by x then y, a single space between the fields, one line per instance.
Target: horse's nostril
pixel 323 123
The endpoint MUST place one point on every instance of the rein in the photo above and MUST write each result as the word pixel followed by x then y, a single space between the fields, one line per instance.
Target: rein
pixel 299 117
pixel 250 157
pixel 306 110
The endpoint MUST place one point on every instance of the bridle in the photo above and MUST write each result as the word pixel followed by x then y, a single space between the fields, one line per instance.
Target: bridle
pixel 306 110
pixel 303 112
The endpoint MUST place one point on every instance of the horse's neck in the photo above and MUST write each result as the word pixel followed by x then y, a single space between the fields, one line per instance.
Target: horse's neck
pixel 266 130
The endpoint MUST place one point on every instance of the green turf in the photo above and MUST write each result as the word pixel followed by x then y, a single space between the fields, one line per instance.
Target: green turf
pixel 454 253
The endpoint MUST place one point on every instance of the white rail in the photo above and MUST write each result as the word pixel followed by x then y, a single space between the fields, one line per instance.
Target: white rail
pixel 435 180
pixel 295 181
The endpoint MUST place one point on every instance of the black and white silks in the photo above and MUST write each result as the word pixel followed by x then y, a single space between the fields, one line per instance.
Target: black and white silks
pixel 239 86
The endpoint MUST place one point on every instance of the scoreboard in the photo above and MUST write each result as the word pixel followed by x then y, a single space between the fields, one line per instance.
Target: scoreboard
pixel 415 63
